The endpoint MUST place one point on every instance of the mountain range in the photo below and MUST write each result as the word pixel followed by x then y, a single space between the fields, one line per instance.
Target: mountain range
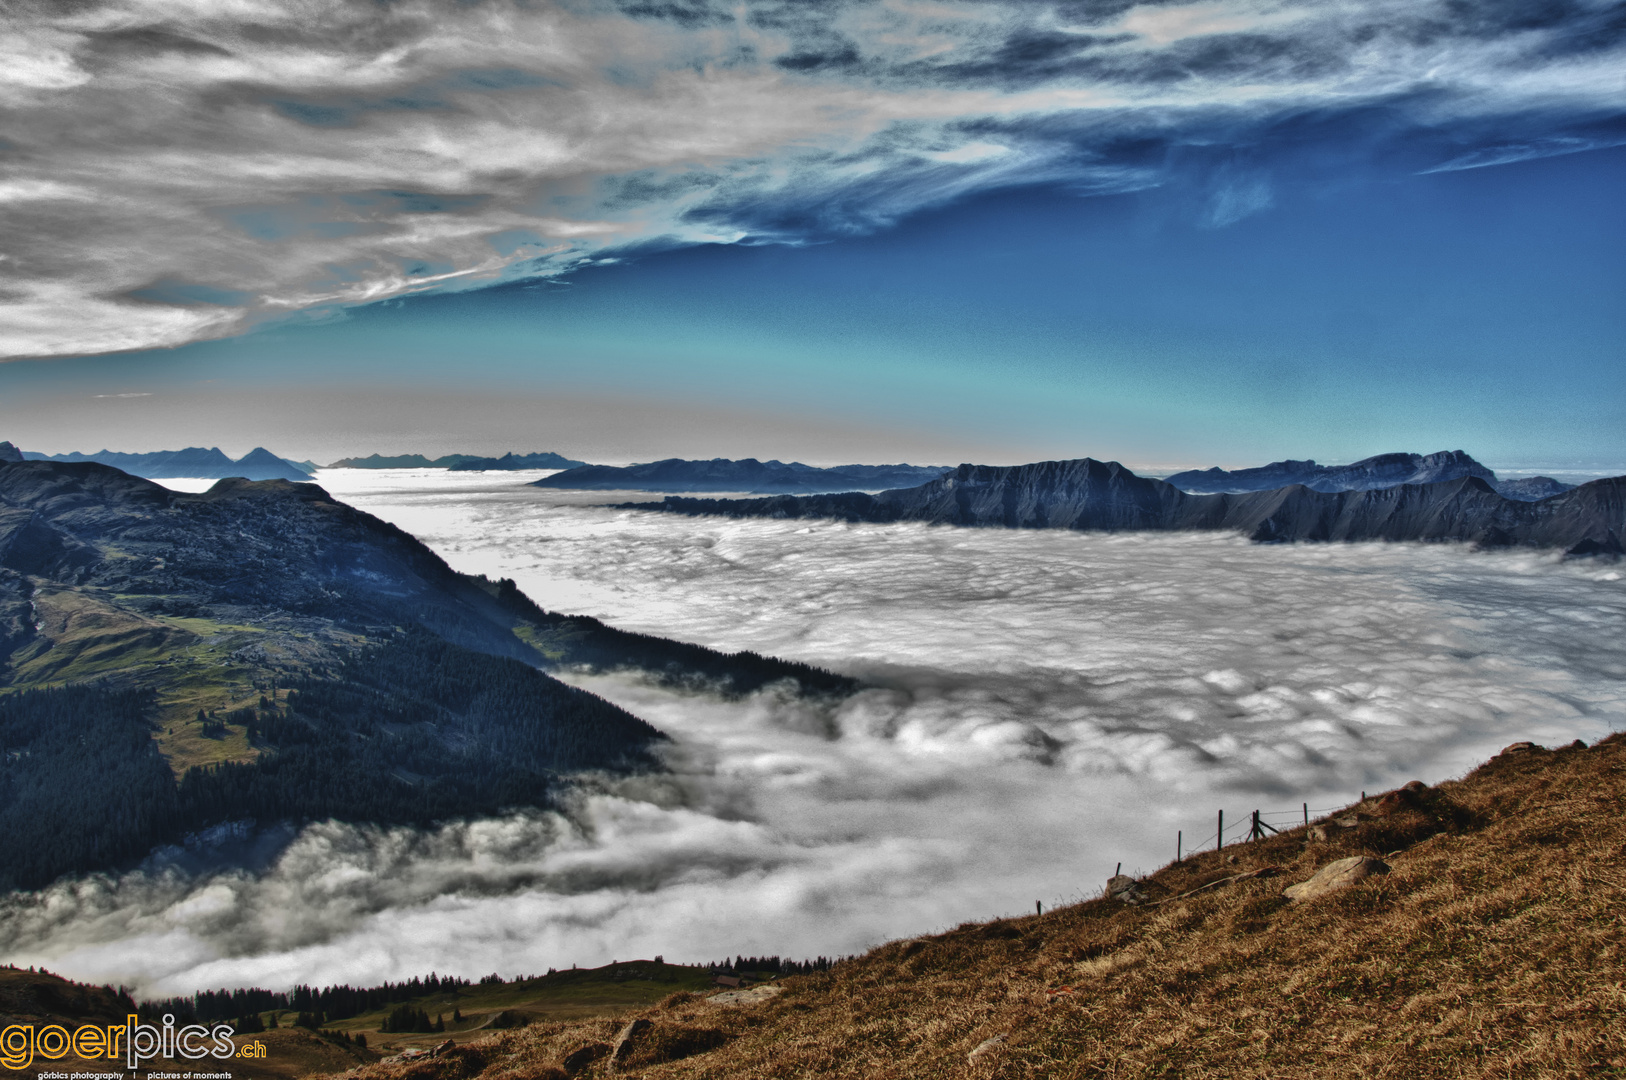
pixel 263 652
pixel 463 462
pixel 513 462
pixel 749 475
pixel 1090 495
pixel 194 461
pixel 1368 474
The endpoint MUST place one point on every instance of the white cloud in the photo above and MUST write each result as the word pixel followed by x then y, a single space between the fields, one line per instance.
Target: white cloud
pixel 1043 705
pixel 970 152
pixel 1163 24
pixel 253 147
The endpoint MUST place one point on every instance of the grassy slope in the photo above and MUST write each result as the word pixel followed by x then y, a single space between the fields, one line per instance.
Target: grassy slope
pixel 607 991
pixel 208 599
pixel 1495 947
pixel 193 663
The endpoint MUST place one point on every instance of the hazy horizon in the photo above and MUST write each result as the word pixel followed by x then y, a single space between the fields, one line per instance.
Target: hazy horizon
pixel 1571 471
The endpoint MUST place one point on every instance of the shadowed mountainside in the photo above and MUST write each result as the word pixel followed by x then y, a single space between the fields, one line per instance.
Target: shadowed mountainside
pixel 262 651
pixel 748 474
pixel 1090 495
pixel 1492 946
pixel 284 560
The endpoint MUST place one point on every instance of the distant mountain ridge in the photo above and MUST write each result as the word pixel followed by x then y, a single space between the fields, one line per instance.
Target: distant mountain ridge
pixel 1368 474
pixel 513 462
pixel 1090 495
pixel 194 461
pixel 462 462
pixel 747 474
pixel 400 461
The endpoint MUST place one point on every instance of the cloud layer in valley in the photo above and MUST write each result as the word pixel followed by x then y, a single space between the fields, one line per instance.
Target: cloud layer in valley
pixel 1041 706
pixel 178 170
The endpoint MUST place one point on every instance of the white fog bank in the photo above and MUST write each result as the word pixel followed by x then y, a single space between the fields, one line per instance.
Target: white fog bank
pixel 1042 706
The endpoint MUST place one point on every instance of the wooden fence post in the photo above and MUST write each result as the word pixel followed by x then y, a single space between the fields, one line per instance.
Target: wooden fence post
pixel 1219 841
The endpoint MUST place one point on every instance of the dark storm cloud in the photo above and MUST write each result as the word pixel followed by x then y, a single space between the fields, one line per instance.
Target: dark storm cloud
pixel 241 146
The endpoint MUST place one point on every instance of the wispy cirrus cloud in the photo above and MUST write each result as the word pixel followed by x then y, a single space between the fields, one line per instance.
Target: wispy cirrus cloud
pixel 176 170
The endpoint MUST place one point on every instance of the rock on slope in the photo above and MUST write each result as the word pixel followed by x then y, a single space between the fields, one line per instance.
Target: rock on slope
pixel 1493 947
pixel 1090 495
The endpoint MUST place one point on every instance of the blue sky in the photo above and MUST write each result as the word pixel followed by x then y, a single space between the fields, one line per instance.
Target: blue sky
pixel 1169 234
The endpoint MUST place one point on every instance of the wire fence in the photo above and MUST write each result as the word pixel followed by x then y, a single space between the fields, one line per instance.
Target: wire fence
pixel 1255 824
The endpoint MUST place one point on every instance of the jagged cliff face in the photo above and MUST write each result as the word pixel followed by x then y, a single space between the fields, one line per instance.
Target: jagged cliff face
pixel 1104 496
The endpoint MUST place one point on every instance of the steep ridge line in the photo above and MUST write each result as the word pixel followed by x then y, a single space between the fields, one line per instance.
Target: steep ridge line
pixel 1381 471
pixel 746 474
pixel 280 554
pixel 1089 495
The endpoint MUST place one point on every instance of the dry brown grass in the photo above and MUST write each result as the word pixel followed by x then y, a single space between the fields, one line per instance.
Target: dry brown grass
pixel 1496 947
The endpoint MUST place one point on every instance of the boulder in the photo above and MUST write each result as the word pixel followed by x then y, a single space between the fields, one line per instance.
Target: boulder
pixel 1126 889
pixel 1519 748
pixel 1335 876
pixel 1403 798
pixel 627 1041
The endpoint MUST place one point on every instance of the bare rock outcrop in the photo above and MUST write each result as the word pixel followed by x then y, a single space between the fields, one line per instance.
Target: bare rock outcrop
pixel 1335 876
pixel 626 1042
pixel 1125 889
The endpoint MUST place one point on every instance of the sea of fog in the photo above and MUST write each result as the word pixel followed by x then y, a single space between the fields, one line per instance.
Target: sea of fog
pixel 1041 706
